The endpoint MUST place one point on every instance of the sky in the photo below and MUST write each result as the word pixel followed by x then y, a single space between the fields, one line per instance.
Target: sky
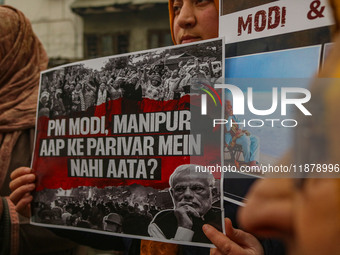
pixel 292 63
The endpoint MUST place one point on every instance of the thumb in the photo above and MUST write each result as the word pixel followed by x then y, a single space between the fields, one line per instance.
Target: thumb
pixel 223 243
pixel 243 239
pixel 229 229
pixel 236 235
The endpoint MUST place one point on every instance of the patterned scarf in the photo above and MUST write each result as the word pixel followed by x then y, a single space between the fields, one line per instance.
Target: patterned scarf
pixel 22 57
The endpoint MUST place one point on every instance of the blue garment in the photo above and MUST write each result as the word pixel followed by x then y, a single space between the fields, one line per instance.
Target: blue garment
pixel 250 144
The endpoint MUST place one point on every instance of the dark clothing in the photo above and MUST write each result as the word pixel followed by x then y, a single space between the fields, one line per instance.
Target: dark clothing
pixel 167 222
pixel 132 91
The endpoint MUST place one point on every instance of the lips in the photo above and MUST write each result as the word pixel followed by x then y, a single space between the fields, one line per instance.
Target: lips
pixel 191 204
pixel 189 39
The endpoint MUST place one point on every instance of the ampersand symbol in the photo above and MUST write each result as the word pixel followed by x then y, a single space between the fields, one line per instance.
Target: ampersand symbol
pixel 314 10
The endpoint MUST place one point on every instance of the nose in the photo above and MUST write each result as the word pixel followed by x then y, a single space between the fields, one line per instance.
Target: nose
pixel 186 17
pixel 188 193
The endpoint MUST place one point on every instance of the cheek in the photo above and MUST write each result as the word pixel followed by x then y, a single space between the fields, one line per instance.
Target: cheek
pixel 208 21
pixel 177 198
pixel 177 30
pixel 204 198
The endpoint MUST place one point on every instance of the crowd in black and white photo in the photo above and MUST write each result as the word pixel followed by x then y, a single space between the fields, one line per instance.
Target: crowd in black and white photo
pixel 162 77
pixel 115 209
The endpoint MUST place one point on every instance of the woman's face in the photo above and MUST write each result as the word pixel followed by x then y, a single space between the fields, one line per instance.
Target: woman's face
pixel 155 83
pixel 307 218
pixel 194 20
pixel 102 87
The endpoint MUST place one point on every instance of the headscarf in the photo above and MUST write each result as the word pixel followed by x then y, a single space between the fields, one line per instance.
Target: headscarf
pixel 156 77
pixel 22 57
pixel 172 16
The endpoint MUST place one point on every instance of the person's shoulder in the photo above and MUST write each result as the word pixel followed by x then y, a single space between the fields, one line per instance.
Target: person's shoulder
pixel 214 217
pixel 166 222
pixel 164 215
pixel 215 210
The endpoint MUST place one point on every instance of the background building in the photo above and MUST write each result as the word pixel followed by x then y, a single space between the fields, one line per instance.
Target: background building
pixel 72 30
pixel 119 26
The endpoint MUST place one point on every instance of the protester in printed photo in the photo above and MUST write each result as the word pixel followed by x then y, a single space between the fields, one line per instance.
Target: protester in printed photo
pixel 78 102
pixel 197 73
pixel 184 84
pixel 171 84
pixel 44 109
pixel 131 86
pixel 67 97
pixel 114 90
pixel 58 108
pixel 89 96
pixel 154 88
pixel 113 223
pixel 66 215
pixel 102 94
